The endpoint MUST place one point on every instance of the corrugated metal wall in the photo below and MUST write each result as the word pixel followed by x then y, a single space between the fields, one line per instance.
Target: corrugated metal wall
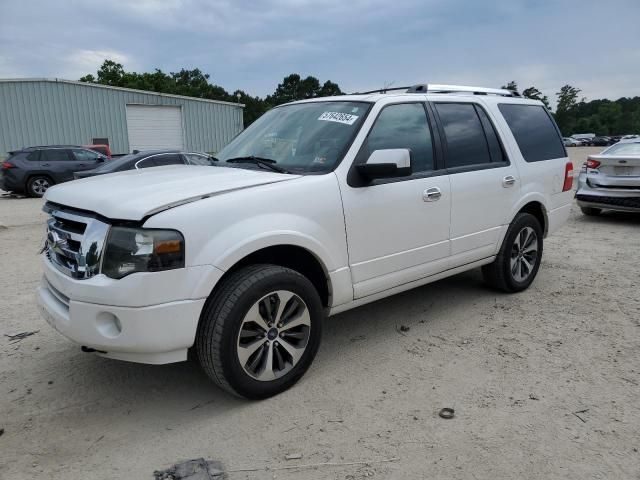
pixel 47 112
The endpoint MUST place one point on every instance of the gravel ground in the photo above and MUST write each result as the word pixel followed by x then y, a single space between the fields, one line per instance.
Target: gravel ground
pixel 545 384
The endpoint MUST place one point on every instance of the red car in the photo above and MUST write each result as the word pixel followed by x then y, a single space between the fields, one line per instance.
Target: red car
pixel 103 149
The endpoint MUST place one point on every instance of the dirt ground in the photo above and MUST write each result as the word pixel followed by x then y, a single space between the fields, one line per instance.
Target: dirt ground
pixel 545 384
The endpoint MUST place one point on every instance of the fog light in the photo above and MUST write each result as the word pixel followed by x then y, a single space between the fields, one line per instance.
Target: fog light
pixel 108 325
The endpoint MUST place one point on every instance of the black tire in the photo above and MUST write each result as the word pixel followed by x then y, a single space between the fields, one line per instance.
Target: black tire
pixel 591 211
pixel 499 274
pixel 38 185
pixel 222 318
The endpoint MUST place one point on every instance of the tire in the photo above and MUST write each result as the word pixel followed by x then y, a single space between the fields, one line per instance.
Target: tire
pixel 227 331
pixel 38 185
pixel 591 211
pixel 515 248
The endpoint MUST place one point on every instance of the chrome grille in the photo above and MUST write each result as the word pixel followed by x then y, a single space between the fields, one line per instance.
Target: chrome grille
pixel 74 242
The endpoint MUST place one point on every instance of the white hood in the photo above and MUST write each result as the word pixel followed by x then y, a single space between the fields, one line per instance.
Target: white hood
pixel 135 194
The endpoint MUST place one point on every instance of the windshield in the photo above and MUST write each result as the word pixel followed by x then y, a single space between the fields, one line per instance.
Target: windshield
pixel 301 138
pixel 631 148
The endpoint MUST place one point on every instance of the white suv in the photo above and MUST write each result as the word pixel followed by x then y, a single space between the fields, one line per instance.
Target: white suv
pixel 318 207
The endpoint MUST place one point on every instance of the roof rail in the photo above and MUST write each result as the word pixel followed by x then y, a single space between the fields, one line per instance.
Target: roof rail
pixel 381 90
pixel 434 88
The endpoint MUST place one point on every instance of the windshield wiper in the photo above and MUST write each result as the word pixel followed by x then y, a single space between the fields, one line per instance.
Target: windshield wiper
pixel 262 162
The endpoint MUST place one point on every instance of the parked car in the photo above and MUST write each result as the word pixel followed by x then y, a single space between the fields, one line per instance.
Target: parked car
pixel 600 142
pixel 318 207
pixel 33 170
pixel 571 142
pixel 611 180
pixel 103 149
pixel 146 159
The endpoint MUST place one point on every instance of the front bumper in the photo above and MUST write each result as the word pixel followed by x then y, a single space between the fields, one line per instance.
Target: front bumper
pixel 154 319
pixel 620 199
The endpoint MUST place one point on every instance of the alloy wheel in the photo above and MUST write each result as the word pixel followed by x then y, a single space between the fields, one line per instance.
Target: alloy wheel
pixel 273 335
pixel 524 254
pixel 40 186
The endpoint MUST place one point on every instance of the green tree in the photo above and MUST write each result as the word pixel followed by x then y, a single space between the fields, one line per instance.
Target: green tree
pixel 512 85
pixel 566 110
pixel 535 94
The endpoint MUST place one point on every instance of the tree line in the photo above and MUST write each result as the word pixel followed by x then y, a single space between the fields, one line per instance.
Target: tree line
pixel 574 114
pixel 195 83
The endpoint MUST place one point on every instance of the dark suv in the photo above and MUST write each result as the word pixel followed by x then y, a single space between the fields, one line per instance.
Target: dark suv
pixel 33 170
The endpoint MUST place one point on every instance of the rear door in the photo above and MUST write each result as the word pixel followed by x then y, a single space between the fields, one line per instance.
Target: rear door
pixel 59 163
pixel 484 184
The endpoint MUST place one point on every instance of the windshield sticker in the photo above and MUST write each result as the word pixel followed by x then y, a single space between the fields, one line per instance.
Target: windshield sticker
pixel 345 118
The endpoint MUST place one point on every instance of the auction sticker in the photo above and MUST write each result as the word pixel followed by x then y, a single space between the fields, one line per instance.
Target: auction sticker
pixel 346 118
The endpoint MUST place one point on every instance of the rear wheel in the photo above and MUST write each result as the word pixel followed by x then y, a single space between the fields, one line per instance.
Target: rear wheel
pixel 518 261
pixel 38 185
pixel 590 211
pixel 260 331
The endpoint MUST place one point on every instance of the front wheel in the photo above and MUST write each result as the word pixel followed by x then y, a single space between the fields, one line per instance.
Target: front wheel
pixel 260 331
pixel 518 261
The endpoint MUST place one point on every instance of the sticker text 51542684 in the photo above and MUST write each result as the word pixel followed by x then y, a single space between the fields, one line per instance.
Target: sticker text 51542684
pixel 346 118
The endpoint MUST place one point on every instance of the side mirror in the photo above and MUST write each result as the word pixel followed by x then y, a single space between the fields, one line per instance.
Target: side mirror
pixel 392 162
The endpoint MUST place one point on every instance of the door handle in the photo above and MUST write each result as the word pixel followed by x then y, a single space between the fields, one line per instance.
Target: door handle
pixel 45 165
pixel 508 181
pixel 432 194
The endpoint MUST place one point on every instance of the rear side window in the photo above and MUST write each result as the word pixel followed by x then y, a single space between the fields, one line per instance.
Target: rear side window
pixel 57 155
pixel 534 130
pixel 172 159
pixel 402 126
pixel 464 134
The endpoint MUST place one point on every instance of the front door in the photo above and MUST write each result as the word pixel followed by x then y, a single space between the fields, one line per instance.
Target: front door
pixel 86 159
pixel 397 228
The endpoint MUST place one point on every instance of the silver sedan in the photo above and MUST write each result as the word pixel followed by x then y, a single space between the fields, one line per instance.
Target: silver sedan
pixel 611 179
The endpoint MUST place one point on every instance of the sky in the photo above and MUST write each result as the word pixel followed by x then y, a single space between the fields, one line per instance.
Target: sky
pixel 359 44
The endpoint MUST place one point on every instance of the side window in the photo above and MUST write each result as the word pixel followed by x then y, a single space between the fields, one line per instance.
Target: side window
pixel 466 143
pixel 85 155
pixel 145 163
pixel 55 155
pixel 534 130
pixel 402 126
pixel 495 149
pixel 34 156
pixel 195 159
pixel 168 159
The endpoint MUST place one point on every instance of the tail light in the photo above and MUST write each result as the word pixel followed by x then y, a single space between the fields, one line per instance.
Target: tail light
pixel 7 165
pixel 568 177
pixel 592 163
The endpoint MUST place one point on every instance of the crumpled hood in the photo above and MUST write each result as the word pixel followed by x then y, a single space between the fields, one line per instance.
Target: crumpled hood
pixel 135 194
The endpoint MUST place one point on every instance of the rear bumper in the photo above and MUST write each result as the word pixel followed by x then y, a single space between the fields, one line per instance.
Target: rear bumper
pixel 10 183
pixel 622 199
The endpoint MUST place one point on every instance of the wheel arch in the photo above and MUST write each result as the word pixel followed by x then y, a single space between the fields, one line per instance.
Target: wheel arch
pixel 295 257
pixel 31 175
pixel 536 207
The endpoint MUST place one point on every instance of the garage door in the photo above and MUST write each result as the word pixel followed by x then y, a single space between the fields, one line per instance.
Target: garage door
pixel 153 127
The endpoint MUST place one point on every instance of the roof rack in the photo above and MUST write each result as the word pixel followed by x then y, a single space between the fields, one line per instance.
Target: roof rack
pixel 434 88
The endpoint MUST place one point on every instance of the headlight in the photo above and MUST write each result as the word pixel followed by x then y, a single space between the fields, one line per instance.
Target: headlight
pixel 130 250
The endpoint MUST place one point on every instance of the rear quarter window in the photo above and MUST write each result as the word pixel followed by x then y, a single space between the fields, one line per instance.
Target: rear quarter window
pixel 534 130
